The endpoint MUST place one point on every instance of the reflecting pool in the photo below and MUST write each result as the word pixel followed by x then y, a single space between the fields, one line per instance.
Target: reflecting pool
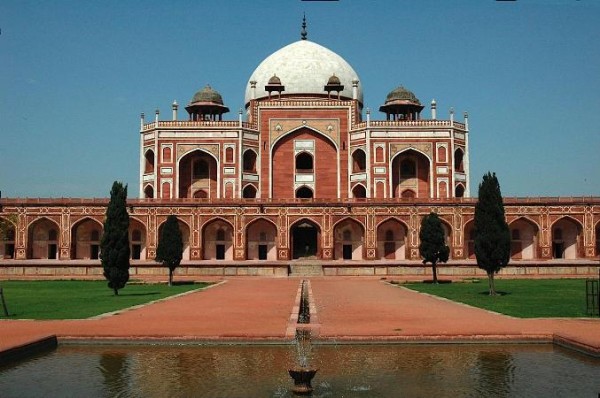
pixel 436 370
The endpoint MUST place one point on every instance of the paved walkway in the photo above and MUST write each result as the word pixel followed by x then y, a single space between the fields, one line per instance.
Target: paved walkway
pixel 347 309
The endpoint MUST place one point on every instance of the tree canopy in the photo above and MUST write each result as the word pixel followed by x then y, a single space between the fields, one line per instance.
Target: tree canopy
pixel 114 247
pixel 170 246
pixel 492 235
pixel 432 246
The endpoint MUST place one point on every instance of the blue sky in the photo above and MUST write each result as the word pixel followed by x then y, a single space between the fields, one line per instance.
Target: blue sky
pixel 75 75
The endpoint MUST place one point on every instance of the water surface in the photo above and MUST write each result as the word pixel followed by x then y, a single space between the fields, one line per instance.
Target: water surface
pixel 344 371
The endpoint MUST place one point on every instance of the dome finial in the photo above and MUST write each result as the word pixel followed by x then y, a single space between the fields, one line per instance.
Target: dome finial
pixel 303 31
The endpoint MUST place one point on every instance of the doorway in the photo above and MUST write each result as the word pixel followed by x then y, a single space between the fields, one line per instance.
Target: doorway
pixel 305 239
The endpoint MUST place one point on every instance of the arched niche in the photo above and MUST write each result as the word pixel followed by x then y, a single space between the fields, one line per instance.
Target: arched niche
pixel 261 238
pixel 7 238
pixel 410 173
pixel 85 239
pixel 43 239
pixel 137 239
pixel 359 161
pixel 217 240
pixel 524 239
pixel 348 237
pixel 391 240
pixel 249 161
pixel 566 238
pixel 305 239
pixel 197 171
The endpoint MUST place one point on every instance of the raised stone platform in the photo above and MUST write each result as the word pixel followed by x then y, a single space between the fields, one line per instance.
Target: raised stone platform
pixel 21 269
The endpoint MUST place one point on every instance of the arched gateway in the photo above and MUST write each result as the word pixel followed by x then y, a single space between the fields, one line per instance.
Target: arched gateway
pixel 305 236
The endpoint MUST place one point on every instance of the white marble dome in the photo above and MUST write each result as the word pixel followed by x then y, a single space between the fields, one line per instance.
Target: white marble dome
pixel 303 67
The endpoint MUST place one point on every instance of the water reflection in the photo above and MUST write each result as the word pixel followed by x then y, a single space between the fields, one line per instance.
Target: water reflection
pixel 344 370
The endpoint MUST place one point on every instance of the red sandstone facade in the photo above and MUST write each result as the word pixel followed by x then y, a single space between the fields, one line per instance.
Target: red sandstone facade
pixel 302 176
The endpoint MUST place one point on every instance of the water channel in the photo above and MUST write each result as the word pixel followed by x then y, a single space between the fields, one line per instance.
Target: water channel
pixel 435 370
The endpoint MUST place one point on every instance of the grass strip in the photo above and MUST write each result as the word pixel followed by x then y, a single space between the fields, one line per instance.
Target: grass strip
pixel 79 299
pixel 522 298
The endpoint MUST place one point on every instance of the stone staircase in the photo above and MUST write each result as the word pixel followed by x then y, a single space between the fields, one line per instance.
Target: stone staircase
pixel 306 268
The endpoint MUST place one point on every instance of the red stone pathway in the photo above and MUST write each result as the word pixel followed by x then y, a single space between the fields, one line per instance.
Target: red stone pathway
pixel 256 308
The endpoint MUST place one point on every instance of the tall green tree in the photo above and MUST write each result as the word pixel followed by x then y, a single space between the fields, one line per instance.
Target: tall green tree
pixel 170 246
pixel 433 248
pixel 114 247
pixel 492 235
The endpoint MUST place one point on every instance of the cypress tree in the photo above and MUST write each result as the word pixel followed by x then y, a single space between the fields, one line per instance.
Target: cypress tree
pixel 170 246
pixel 433 248
pixel 492 235
pixel 114 247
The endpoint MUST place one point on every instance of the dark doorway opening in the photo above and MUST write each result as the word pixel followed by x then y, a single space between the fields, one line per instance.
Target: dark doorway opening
pixel 136 252
pixel 94 251
pixel 9 250
pixel 52 251
pixel 304 238
pixel 347 252
pixel 221 252
pixel 262 252
pixel 558 249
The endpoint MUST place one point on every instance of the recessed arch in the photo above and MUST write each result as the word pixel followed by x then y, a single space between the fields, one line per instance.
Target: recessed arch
pixel 459 191
pixel 324 177
pixel 566 238
pixel 249 161
pixel 359 161
pixel 137 239
pixel 411 170
pixel 198 170
pixel 359 191
pixel 348 234
pixel 85 239
pixel 249 192
pixel 261 238
pixel 391 239
pixel 524 239
pixel 458 160
pixel 43 239
pixel 217 239
pixel 7 238
pixel 304 192
pixel 304 162
pixel 305 239
pixel 149 192
pixel 149 161
pixel 597 231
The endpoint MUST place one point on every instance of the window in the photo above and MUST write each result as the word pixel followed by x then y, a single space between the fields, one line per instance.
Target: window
pixel 250 161
pixel 166 154
pixel 458 160
pixel 304 193
pixel 229 155
pixel 149 164
pixel 359 161
pixel 220 234
pixel 304 162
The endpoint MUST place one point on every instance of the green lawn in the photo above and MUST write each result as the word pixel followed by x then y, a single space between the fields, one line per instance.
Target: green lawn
pixel 520 298
pixel 79 299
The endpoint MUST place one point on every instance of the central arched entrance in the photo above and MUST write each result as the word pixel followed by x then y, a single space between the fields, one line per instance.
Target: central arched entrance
pixel 305 240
